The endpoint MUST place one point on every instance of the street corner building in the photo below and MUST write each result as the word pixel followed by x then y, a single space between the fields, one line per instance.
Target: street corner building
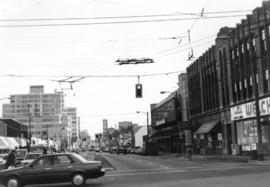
pixel 225 85
pixel 214 108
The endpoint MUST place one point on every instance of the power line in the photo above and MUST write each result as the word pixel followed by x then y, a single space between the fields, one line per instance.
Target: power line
pixel 177 47
pixel 88 76
pixel 118 22
pixel 171 53
pixel 121 17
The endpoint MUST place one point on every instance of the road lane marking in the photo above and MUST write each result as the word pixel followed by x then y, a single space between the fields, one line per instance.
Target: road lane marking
pixel 165 167
pixel 144 173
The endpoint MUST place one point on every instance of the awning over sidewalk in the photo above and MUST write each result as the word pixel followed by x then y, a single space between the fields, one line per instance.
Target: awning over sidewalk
pixel 3 144
pixel 8 142
pixel 207 127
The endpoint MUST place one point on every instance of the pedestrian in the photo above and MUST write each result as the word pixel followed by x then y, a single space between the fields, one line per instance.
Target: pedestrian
pixel 11 159
pixel 44 151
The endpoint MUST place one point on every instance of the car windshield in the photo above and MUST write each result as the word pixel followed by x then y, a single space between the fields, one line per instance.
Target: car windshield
pixel 80 158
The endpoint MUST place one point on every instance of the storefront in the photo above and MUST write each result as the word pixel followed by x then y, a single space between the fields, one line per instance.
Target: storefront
pixel 166 140
pixel 208 138
pixel 244 117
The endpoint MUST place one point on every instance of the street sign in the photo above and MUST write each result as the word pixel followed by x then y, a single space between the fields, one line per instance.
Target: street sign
pixel 98 136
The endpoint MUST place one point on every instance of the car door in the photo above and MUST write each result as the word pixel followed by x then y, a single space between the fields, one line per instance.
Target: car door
pixel 63 166
pixel 35 172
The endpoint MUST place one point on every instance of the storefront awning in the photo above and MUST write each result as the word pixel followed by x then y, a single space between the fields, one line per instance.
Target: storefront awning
pixel 8 142
pixel 3 144
pixel 207 127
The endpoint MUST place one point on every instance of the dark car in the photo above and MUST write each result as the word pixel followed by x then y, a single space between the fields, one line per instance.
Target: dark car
pixel 30 157
pixel 53 168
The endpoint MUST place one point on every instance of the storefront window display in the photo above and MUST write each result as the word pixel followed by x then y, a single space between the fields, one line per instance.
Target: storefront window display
pixel 247 134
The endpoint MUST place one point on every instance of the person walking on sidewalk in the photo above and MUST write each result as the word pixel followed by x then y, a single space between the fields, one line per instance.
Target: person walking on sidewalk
pixel 11 160
pixel 189 152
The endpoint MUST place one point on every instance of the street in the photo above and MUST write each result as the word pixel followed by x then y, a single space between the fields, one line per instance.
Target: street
pixel 136 170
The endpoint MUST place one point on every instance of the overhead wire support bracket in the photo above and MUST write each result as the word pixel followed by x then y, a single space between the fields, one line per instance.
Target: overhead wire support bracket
pixel 134 61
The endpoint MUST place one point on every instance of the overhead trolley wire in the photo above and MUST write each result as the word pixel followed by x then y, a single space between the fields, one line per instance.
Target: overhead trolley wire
pixel 121 17
pixel 117 22
pixel 88 76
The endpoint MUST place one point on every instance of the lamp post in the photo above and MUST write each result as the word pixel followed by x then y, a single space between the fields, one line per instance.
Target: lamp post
pixel 29 126
pixel 147 122
pixel 176 105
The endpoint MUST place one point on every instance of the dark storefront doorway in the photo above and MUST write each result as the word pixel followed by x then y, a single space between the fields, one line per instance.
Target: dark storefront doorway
pixel 229 138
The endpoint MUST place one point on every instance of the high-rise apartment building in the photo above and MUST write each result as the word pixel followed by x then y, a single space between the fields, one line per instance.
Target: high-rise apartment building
pixel 42 112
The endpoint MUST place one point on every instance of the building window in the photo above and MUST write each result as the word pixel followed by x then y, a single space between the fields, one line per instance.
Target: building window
pixel 266 74
pixel 257 78
pixel 250 81
pixel 240 85
pixel 237 52
pixel 235 87
pixel 245 83
pixel 233 55
pixel 242 47
pixel 263 34
pixel 247 46
pixel 254 43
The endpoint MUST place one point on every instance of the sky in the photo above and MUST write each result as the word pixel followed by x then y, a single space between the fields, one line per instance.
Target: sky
pixel 44 41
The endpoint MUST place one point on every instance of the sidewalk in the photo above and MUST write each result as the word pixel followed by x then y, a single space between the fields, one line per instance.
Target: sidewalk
pixel 227 158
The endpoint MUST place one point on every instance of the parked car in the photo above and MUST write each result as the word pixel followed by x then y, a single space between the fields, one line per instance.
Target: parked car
pixel 30 157
pixel 139 151
pixel 133 150
pixel 62 167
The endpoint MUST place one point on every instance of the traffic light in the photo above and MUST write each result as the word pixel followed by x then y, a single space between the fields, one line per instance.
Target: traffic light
pixel 138 89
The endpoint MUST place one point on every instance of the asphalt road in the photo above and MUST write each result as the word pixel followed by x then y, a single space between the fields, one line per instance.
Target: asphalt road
pixel 135 170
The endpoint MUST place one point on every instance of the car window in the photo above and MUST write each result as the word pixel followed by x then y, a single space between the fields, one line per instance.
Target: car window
pixel 62 159
pixel 45 161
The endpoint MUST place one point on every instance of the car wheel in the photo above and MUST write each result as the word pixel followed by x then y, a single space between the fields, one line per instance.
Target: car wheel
pixel 13 182
pixel 78 179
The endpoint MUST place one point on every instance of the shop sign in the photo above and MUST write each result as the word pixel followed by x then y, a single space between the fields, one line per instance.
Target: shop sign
pixel 219 136
pixel 248 110
pixel 201 136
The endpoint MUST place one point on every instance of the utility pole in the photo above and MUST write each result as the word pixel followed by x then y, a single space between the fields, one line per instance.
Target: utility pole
pixel 29 127
pixel 147 125
pixel 176 105
pixel 256 96
pixel 48 143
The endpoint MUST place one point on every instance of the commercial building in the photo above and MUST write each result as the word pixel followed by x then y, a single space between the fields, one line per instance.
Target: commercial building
pixel 126 129
pixel 43 113
pixel 224 85
pixel 165 123
pixel 139 132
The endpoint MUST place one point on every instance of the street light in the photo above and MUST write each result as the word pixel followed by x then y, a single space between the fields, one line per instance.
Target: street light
pixel 147 121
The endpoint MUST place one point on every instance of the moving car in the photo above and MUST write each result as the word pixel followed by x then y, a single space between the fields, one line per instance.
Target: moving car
pixel 30 157
pixel 62 167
